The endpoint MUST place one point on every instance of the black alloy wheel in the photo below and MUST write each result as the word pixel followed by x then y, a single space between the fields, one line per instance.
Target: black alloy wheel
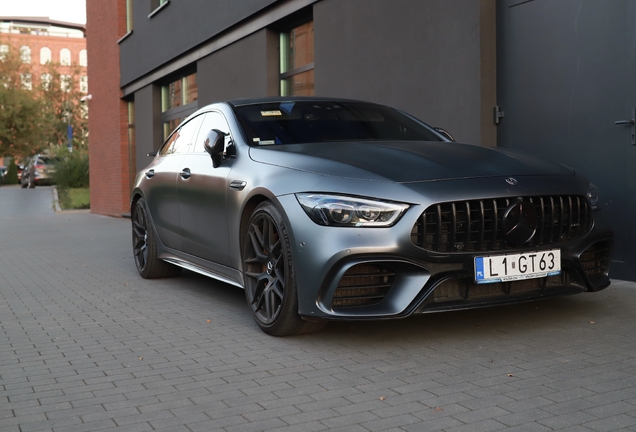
pixel 145 246
pixel 270 286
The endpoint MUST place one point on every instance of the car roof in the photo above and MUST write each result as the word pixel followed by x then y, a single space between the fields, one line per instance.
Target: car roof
pixel 279 99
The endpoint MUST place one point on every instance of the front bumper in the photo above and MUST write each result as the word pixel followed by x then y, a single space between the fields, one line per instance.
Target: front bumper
pixel 378 273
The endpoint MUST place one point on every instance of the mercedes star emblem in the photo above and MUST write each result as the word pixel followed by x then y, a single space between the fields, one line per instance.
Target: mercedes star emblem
pixel 519 223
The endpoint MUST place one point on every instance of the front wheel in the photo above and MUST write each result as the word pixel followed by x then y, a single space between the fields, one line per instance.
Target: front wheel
pixel 145 246
pixel 270 284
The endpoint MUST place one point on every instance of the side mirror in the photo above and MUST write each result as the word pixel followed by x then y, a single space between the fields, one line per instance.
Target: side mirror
pixel 214 144
pixel 444 133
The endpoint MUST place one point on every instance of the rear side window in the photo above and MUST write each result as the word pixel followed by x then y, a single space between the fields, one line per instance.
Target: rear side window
pixel 182 138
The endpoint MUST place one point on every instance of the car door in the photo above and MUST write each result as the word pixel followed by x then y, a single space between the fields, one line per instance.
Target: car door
pixel 202 191
pixel 161 192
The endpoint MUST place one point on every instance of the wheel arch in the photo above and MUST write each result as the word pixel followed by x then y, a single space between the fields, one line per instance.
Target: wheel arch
pixel 135 196
pixel 246 215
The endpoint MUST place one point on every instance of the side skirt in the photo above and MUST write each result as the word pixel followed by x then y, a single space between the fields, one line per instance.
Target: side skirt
pixel 203 271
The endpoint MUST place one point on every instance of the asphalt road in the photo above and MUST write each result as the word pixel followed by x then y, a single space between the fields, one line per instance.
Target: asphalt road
pixel 88 345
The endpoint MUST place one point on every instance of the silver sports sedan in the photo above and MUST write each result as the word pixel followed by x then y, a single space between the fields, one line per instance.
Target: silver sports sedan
pixel 326 209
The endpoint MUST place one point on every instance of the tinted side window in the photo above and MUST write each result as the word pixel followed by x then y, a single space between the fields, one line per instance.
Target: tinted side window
pixel 212 120
pixel 181 140
pixel 168 145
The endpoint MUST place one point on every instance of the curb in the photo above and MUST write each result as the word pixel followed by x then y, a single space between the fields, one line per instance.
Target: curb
pixel 58 209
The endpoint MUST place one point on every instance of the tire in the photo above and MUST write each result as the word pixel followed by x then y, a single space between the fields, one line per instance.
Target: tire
pixel 145 246
pixel 270 284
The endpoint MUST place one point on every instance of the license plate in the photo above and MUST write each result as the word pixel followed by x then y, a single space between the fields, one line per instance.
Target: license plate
pixel 529 265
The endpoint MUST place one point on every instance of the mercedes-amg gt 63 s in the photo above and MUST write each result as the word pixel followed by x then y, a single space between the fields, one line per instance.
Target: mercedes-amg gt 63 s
pixel 324 209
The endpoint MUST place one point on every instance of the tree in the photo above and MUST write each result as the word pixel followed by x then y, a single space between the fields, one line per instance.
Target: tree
pixel 62 107
pixel 20 109
pixel 37 116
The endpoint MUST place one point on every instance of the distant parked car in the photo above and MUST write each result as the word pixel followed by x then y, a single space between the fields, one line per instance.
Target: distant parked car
pixel 3 170
pixel 38 171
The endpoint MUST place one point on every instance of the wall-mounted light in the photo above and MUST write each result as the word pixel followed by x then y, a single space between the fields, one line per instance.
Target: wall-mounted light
pixel 86 98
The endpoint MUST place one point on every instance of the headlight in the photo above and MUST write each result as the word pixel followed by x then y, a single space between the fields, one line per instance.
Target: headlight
pixel 593 196
pixel 344 211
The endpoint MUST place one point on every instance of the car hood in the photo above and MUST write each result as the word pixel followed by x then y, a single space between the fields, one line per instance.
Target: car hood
pixel 404 161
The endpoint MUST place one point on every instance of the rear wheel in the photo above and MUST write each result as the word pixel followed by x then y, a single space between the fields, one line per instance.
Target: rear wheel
pixel 145 246
pixel 270 284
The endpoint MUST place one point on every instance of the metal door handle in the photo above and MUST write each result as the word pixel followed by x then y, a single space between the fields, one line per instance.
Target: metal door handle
pixel 150 173
pixel 632 123
pixel 185 173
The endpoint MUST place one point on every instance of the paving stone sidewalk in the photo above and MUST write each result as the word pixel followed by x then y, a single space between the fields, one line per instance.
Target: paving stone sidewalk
pixel 88 345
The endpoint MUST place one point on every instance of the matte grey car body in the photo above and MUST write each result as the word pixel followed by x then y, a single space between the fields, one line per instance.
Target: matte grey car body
pixel 319 221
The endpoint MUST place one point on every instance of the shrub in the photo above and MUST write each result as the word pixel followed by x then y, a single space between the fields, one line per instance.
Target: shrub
pixel 71 169
pixel 11 176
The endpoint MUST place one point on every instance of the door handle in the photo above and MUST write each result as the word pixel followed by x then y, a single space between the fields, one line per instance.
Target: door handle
pixel 185 173
pixel 631 122
pixel 150 173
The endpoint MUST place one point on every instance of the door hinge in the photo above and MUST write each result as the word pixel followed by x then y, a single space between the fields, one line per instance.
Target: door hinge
pixel 499 114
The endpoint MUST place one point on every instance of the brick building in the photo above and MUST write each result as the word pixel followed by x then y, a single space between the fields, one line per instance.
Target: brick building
pixel 41 41
pixel 109 149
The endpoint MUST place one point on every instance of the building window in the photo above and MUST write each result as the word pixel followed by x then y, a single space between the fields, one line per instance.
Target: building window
pixel 45 81
pixel 83 58
pixel 297 61
pixel 132 146
pixel 27 83
pixel 179 92
pixel 129 16
pixel 156 4
pixel 83 83
pixel 65 83
pixel 65 57
pixel 45 55
pixel 25 54
pixel 178 100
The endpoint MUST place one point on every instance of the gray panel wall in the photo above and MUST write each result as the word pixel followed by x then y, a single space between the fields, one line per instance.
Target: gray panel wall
pixel 433 58
pixel 175 29
pixel 247 68
pixel 148 132
pixel 420 56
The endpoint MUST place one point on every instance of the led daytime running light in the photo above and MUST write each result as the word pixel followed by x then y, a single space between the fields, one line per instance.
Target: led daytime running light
pixel 344 211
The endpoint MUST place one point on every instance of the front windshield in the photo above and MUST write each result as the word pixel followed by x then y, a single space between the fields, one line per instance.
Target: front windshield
pixel 297 122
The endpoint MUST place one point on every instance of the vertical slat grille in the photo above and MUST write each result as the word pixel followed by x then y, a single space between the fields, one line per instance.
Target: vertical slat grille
pixel 475 225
